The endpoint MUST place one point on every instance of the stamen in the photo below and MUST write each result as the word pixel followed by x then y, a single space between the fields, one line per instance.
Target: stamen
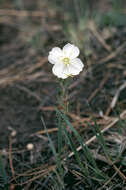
pixel 66 61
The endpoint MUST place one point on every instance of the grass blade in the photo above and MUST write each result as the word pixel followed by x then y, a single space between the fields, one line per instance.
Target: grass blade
pixel 58 162
pixel 75 151
pixel 92 164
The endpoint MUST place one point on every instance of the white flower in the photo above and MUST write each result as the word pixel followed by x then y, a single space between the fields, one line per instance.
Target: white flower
pixel 65 61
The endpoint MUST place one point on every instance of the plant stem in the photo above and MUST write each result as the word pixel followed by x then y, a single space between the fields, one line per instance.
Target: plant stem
pixel 64 96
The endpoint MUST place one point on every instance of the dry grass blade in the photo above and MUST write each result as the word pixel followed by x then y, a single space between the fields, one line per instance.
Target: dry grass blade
pixel 99 88
pixel 43 174
pixel 37 174
pixel 113 54
pixel 11 74
pixel 115 98
pixel 113 122
pixel 49 131
pixel 21 13
pixel 29 92
pixel 108 181
pixel 92 26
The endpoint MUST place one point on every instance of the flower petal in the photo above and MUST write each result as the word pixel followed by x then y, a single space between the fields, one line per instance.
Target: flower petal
pixel 73 70
pixel 63 76
pixel 60 70
pixel 57 69
pixel 77 63
pixel 76 66
pixel 71 51
pixel 55 55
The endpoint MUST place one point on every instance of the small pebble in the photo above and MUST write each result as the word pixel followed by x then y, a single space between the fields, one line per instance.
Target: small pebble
pixel 30 146
pixel 13 133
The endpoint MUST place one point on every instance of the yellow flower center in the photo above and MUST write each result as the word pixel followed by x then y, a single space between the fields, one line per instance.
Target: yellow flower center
pixel 66 61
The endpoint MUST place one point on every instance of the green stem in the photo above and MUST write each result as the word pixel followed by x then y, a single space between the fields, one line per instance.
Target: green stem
pixel 63 96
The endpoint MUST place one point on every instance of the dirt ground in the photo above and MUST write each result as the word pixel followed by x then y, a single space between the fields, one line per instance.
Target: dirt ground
pixel 28 89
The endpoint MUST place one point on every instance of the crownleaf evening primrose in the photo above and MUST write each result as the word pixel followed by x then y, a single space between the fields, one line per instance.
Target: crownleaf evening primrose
pixel 65 61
